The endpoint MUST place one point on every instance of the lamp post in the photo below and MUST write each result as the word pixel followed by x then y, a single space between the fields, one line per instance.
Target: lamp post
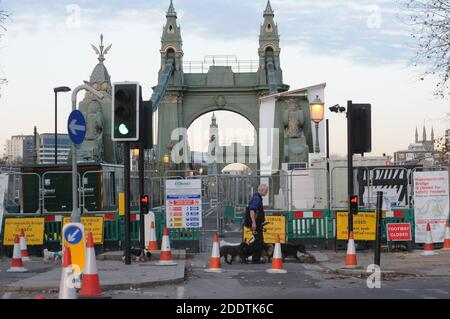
pixel 61 89
pixel 166 161
pixel 317 111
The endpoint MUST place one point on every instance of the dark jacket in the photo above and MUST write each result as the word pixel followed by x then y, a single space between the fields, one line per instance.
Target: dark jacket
pixel 256 204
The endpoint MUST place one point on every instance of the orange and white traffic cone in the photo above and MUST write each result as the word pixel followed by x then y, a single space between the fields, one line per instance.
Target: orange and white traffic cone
pixel 214 262
pixel 23 247
pixel 152 244
pixel 90 285
pixel 447 237
pixel 428 247
pixel 277 260
pixel 165 258
pixel 351 260
pixel 17 263
pixel 67 288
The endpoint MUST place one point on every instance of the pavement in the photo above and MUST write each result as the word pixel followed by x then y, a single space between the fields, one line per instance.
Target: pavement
pixel 113 275
pixel 392 264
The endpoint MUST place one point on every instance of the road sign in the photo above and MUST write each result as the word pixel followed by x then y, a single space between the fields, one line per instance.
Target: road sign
pixel 399 232
pixel 33 228
pixel 276 226
pixel 74 237
pixel 76 126
pixel 364 226
pixel 94 225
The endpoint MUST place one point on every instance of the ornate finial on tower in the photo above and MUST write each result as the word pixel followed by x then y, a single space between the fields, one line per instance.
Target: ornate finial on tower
pixel 171 12
pixel 432 134
pixel 424 135
pixel 269 10
pixel 213 121
pixel 417 135
pixel 102 51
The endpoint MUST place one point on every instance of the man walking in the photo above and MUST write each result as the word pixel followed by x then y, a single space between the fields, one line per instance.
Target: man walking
pixel 257 219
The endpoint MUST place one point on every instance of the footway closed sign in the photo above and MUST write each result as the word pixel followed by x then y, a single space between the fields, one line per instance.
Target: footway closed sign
pixel 399 232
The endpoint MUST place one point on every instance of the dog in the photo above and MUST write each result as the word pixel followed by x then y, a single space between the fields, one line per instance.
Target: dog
pixel 231 252
pixel 139 254
pixel 49 256
pixel 293 250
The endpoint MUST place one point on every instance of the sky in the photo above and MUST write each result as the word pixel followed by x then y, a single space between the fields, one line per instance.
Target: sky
pixel 361 48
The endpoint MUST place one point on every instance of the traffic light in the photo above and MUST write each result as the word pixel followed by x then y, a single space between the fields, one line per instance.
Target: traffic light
pixel 361 118
pixel 354 204
pixel 145 202
pixel 125 107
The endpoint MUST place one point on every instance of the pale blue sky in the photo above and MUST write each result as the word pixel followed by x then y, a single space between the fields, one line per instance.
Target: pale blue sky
pixel 361 48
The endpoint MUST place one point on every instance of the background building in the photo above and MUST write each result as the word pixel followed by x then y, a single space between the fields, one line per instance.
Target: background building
pixel 18 148
pixel 46 148
pixel 420 152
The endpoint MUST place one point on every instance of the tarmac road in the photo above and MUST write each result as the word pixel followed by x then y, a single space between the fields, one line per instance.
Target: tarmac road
pixel 302 282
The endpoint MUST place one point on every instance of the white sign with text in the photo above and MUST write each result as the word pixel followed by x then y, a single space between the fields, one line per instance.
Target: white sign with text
pixel 431 204
pixel 184 203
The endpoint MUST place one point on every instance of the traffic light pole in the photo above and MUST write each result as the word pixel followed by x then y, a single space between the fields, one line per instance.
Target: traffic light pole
pixel 350 164
pixel 141 191
pixel 126 157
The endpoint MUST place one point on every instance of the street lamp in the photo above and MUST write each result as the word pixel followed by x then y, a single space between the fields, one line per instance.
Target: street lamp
pixel 61 89
pixel 317 110
pixel 166 160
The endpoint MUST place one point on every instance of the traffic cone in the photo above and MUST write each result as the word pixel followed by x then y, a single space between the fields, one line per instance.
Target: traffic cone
pixel 23 246
pixel 152 244
pixel 214 262
pixel 165 258
pixel 428 247
pixel 277 260
pixel 90 285
pixel 447 237
pixel 17 263
pixel 67 288
pixel 351 261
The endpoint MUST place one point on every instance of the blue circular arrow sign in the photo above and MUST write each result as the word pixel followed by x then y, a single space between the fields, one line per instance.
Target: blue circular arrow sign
pixel 73 235
pixel 76 126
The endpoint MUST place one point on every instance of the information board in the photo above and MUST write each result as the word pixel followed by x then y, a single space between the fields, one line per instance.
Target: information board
pixel 184 203
pixel 364 226
pixel 431 204
pixel 33 228
pixel 276 226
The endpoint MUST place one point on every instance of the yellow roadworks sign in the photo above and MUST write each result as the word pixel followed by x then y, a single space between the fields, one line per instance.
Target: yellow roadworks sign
pixel 276 226
pixel 364 226
pixel 33 228
pixel 92 225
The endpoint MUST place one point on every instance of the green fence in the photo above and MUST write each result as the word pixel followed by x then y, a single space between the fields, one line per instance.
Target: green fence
pixel 299 225
pixel 114 230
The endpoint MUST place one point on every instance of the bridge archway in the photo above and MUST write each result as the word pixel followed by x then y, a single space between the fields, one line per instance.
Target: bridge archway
pixel 221 138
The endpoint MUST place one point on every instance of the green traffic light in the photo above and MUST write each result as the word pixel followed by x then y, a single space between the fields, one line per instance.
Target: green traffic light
pixel 123 129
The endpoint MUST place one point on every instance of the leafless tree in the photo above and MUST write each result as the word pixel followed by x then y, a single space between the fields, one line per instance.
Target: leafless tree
pixel 442 147
pixel 430 22
pixel 3 16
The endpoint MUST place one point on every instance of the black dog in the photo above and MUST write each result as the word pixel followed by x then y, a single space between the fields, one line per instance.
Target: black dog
pixel 139 254
pixel 293 250
pixel 229 253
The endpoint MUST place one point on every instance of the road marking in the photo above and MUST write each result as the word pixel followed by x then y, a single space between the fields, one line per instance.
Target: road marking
pixel 180 292
pixel 7 295
pixel 439 291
